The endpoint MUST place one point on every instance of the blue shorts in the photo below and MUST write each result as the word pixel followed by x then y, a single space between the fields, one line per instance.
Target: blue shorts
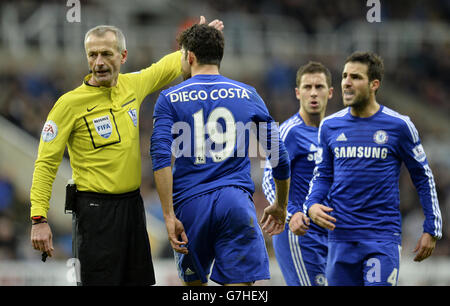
pixel 363 263
pixel 222 226
pixel 302 259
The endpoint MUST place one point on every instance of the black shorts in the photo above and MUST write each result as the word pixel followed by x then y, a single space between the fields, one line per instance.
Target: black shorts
pixel 111 241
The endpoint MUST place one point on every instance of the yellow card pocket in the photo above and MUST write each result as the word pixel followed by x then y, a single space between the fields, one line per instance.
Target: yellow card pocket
pixel 102 129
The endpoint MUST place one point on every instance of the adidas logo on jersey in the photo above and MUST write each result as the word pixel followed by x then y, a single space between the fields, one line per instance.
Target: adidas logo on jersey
pixel 341 137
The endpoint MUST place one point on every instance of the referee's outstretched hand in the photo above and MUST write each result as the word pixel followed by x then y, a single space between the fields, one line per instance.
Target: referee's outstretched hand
pixel 216 23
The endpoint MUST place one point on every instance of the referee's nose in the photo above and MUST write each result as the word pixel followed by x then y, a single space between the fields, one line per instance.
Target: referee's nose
pixel 99 61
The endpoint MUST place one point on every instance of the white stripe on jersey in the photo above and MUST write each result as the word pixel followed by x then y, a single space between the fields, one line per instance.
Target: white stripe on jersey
pixel 268 189
pixel 207 83
pixel 340 113
pixel 411 127
pixel 267 186
pixel 297 258
pixel 434 203
pixel 288 125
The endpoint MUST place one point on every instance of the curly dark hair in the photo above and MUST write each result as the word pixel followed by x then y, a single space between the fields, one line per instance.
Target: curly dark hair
pixel 206 42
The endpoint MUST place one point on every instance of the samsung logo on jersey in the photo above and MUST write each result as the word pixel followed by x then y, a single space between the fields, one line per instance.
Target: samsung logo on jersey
pixel 360 152
pixel 216 94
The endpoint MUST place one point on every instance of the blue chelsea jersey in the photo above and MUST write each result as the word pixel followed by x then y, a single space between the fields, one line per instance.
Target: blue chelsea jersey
pixel 205 123
pixel 358 167
pixel 301 143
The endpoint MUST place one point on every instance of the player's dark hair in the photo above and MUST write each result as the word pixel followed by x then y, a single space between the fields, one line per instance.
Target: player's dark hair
pixel 207 43
pixel 313 67
pixel 375 65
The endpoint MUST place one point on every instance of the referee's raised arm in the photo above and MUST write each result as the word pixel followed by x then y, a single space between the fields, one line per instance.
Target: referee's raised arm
pixel 99 123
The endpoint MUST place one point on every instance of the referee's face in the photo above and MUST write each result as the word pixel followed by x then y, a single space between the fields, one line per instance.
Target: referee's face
pixel 104 59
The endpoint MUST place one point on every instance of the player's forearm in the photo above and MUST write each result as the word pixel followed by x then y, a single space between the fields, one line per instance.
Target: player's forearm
pixel 164 183
pixel 282 192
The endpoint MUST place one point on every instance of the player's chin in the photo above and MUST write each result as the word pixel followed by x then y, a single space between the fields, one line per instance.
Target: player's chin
pixel 314 110
pixel 349 102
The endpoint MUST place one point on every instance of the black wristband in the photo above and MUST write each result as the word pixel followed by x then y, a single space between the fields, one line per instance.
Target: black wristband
pixel 39 222
pixel 38 219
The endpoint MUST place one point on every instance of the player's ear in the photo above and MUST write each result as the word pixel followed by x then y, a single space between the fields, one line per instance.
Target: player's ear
pixel 124 56
pixel 297 93
pixel 375 84
pixel 330 93
pixel 191 57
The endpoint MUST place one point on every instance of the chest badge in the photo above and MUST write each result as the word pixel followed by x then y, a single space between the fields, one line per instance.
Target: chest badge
pixel 380 137
pixel 133 116
pixel 103 126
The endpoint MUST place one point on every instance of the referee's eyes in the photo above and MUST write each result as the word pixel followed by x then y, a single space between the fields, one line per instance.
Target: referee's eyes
pixel 106 54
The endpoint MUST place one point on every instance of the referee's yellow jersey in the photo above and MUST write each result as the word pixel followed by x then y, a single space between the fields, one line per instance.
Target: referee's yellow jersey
pixel 100 126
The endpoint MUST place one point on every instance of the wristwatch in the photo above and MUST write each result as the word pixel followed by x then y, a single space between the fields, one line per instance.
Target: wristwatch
pixel 38 219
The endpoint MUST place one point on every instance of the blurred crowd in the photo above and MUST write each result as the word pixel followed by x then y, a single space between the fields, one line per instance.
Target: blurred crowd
pixel 27 96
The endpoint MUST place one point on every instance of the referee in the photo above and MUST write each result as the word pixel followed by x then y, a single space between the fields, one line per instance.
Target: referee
pixel 99 123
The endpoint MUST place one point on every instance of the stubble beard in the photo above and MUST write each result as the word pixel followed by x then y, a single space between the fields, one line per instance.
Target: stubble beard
pixel 359 102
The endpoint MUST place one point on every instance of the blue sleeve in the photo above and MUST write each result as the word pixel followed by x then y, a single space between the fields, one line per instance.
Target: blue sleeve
pixel 161 139
pixel 268 136
pixel 414 157
pixel 291 143
pixel 323 172
pixel 268 185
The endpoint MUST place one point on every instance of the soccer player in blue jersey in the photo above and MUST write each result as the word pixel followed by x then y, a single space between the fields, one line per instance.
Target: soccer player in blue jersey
pixel 302 259
pixel 361 150
pixel 207 197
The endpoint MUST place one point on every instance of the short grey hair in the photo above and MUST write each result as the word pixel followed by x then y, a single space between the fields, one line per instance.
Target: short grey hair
pixel 100 30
